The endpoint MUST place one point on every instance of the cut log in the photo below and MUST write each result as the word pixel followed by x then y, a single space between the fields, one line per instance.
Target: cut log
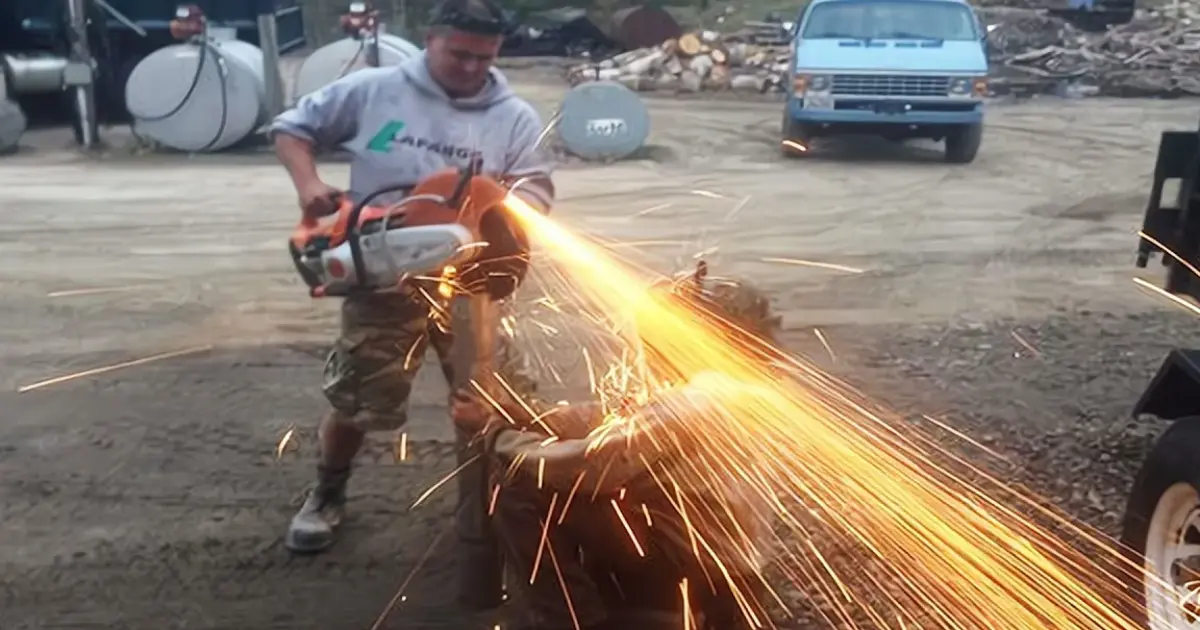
pixel 689 81
pixel 642 65
pixel 746 83
pixel 637 82
pixel 735 54
pixel 673 66
pixel 701 65
pixel 689 44
pixel 670 46
pixel 666 82
pixel 718 56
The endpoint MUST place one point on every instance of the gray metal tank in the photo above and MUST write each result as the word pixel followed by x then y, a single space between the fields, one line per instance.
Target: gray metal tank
pixel 12 125
pixel 198 97
pixel 334 61
pixel 603 120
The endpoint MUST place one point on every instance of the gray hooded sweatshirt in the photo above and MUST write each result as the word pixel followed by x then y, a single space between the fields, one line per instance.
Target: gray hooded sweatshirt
pixel 401 126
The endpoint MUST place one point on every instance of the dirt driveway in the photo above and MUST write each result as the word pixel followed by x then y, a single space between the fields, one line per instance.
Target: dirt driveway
pixel 150 497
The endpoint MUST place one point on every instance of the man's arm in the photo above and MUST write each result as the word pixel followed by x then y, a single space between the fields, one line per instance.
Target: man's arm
pixel 527 159
pixel 319 121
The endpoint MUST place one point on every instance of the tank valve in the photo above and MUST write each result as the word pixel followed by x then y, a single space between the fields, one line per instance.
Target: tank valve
pixel 189 22
pixel 360 20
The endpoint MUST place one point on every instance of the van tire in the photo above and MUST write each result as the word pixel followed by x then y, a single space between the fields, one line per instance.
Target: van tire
pixel 962 143
pixel 794 132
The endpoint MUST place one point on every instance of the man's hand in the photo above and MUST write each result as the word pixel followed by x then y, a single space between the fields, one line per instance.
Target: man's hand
pixel 470 414
pixel 318 199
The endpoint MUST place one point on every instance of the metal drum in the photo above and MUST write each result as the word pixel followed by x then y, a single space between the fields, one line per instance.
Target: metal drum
pixel 603 120
pixel 12 125
pixel 334 61
pixel 198 97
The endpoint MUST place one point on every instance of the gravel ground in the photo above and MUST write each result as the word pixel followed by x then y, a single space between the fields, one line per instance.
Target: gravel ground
pixel 150 497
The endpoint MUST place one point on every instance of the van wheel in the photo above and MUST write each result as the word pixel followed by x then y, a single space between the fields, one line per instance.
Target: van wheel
pixel 795 138
pixel 1161 530
pixel 962 143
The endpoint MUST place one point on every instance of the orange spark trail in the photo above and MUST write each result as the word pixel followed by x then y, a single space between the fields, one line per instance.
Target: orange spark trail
pixel 829 473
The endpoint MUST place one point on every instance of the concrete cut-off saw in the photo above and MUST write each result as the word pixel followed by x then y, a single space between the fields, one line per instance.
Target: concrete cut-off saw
pixel 453 218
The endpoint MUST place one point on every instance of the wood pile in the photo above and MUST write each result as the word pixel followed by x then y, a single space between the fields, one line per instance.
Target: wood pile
pixel 700 61
pixel 1156 54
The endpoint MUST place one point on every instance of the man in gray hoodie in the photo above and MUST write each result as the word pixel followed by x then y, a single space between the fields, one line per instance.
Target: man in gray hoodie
pixel 441 109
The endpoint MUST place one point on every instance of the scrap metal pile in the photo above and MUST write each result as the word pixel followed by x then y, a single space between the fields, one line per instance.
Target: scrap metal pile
pixel 1156 54
pixel 694 62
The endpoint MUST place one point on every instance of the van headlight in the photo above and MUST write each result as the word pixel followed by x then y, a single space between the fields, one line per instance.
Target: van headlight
pixel 805 83
pixel 968 87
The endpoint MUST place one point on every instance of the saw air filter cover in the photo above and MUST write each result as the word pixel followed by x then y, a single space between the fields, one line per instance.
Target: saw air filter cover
pixel 603 121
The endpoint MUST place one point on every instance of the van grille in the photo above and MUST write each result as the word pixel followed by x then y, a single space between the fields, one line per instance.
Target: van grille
pixel 890 85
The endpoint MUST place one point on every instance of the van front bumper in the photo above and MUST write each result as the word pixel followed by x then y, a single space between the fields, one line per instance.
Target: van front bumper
pixel 863 112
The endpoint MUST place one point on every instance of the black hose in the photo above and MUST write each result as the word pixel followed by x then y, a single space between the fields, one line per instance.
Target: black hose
pixel 206 49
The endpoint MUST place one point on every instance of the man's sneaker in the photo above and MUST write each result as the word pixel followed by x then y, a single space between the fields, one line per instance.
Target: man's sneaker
pixel 313 527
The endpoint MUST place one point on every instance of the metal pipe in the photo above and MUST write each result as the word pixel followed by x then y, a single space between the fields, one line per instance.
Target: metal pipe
pixel 80 74
pixel 268 41
pixel 34 73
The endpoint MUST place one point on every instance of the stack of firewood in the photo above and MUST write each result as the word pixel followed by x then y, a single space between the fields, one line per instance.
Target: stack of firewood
pixel 700 61
pixel 1156 54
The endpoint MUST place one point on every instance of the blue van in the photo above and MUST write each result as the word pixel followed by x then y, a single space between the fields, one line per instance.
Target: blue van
pixel 893 68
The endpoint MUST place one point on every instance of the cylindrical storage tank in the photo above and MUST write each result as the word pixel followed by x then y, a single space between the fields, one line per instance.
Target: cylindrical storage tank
pixel 198 97
pixel 12 124
pixel 643 27
pixel 603 120
pixel 334 61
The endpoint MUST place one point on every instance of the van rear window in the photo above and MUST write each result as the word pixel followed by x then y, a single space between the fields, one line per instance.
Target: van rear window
pixel 891 19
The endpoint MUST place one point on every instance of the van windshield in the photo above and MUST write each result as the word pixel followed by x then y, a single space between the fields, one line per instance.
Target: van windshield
pixel 891 19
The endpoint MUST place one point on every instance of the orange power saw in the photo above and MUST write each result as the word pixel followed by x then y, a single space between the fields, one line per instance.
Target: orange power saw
pixel 366 248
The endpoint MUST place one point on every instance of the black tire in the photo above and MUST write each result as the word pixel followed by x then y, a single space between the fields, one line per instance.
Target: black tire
pixel 962 143
pixel 1174 460
pixel 792 131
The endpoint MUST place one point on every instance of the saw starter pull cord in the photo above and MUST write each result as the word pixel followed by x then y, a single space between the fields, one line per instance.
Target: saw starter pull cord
pixel 207 49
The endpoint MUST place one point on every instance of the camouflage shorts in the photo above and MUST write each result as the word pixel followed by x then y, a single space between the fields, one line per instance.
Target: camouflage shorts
pixel 383 342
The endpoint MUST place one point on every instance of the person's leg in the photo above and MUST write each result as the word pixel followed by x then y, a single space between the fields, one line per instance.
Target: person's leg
pixel 368 378
pixel 561 593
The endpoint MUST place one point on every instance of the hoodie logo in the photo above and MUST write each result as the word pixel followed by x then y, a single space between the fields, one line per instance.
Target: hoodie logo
pixel 383 139
pixel 390 135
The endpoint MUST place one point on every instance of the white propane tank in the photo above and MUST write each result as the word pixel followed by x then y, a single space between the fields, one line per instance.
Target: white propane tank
pixel 334 61
pixel 199 97
pixel 12 124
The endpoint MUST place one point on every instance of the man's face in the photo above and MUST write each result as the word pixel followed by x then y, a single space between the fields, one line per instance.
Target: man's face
pixel 460 61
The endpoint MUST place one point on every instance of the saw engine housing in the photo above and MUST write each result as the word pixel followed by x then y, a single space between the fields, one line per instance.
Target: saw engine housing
pixel 452 219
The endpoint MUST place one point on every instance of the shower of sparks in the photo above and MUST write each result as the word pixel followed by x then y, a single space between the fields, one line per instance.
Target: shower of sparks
pixel 284 442
pixel 112 368
pixel 795 146
pixel 653 209
pixel 443 481
pixel 400 595
pixel 1167 251
pixel 401 447
pixel 824 342
pixel 812 263
pixel 852 506
pixel 708 194
pixel 1025 344
pixel 1170 296
pixel 98 290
